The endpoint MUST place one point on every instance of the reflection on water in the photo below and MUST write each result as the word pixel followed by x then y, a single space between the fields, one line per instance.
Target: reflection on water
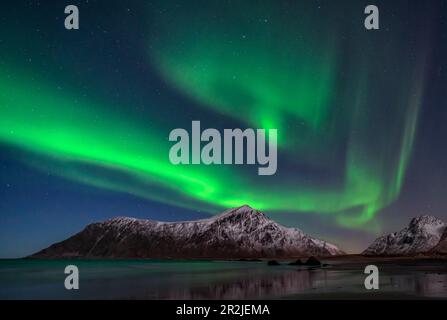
pixel 264 285
pixel 32 279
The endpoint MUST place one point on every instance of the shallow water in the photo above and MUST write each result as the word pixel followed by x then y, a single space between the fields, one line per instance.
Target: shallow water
pixel 152 279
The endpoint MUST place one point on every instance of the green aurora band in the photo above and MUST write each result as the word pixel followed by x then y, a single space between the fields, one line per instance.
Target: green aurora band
pixel 280 79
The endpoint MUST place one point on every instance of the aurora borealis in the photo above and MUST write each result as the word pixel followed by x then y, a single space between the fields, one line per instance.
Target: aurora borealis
pixel 94 107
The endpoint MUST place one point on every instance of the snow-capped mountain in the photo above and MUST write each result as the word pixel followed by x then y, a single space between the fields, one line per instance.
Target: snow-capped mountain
pixel 236 233
pixel 421 235
pixel 441 247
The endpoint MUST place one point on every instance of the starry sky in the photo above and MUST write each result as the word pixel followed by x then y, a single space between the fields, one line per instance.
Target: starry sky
pixel 85 114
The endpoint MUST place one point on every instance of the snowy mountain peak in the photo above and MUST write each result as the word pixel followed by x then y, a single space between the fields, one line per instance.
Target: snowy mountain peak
pixel 241 232
pixel 422 234
pixel 243 212
pixel 239 210
pixel 245 207
pixel 427 222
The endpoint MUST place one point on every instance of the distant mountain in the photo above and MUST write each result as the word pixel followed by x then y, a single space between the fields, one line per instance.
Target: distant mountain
pixel 422 235
pixel 237 233
pixel 441 247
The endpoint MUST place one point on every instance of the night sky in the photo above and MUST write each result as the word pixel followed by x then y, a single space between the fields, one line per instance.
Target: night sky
pixel 85 114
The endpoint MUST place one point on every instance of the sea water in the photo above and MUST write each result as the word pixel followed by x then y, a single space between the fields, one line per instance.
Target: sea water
pixel 155 279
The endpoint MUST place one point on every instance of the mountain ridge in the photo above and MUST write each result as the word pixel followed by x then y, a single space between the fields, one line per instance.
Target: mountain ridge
pixel 441 247
pixel 241 232
pixel 422 235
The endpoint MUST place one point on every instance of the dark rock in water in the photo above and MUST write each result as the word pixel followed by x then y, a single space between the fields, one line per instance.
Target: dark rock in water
pixel 273 263
pixel 312 261
pixel 298 262
pixel 325 265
